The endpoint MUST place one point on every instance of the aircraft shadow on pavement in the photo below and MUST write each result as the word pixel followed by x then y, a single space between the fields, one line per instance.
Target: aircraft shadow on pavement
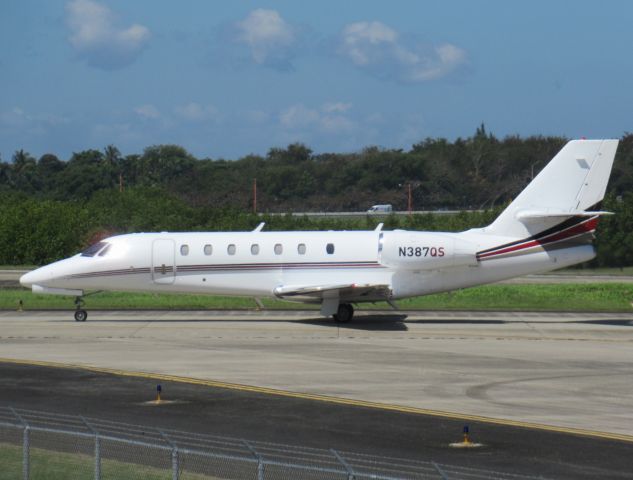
pixel 390 323
pixel 616 322
pixel 457 321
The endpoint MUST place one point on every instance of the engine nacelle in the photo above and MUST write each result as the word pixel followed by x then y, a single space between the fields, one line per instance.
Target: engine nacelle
pixel 425 250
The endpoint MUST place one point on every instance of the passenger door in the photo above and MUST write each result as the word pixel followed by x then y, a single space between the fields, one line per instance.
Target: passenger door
pixel 163 261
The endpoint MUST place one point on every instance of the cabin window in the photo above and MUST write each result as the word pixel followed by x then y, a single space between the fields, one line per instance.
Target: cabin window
pixel 255 249
pixel 279 249
pixel 301 248
pixel 231 249
pixel 329 248
pixel 208 249
pixel 184 250
pixel 92 250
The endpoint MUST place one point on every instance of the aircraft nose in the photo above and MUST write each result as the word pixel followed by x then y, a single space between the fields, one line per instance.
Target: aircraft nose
pixel 33 277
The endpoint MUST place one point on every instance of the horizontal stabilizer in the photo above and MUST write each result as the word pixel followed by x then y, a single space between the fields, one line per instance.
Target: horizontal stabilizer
pixel 527 215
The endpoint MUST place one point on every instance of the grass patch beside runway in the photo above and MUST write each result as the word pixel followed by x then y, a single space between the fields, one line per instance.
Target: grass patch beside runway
pixel 597 297
pixel 587 272
pixel 589 297
pixel 49 465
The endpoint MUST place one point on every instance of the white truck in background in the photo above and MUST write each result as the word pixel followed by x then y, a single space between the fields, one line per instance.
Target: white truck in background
pixel 387 208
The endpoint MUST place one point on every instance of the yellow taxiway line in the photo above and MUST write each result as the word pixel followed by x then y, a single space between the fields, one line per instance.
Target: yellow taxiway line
pixel 326 398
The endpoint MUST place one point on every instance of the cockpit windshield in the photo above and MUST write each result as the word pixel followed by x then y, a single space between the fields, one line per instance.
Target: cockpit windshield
pixel 101 248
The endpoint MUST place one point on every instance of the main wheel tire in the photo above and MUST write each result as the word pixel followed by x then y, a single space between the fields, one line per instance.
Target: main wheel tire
pixel 81 315
pixel 344 314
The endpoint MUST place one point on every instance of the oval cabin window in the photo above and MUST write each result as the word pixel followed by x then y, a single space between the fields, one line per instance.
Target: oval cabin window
pixel 231 249
pixel 279 249
pixel 301 248
pixel 254 249
pixel 208 249
pixel 329 248
pixel 184 250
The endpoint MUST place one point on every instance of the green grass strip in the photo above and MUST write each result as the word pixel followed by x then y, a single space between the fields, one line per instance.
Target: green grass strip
pixel 49 465
pixel 596 297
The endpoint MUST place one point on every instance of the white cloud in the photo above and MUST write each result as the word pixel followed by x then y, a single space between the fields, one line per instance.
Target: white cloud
pixel 359 41
pixel 195 112
pixel 18 118
pixel 329 118
pixel 269 38
pixel 380 50
pixel 336 107
pixel 148 111
pixel 298 116
pixel 98 40
pixel 337 124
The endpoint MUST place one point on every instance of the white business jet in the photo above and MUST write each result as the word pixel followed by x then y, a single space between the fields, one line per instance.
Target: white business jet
pixel 550 225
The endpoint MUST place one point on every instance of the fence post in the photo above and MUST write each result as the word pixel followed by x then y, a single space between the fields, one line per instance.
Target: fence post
pixel 97 448
pixel 97 457
pixel 440 471
pixel 26 453
pixel 175 461
pixel 258 457
pixel 175 473
pixel 26 445
pixel 348 468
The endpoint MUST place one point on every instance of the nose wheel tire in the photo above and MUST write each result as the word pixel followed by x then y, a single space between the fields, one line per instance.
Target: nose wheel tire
pixel 344 314
pixel 81 315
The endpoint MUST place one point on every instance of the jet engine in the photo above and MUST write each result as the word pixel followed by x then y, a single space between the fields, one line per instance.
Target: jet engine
pixel 425 250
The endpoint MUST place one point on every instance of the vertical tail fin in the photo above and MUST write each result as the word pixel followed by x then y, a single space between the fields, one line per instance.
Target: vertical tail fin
pixel 573 182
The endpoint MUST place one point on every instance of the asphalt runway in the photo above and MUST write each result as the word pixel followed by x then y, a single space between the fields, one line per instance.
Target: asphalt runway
pixel 395 384
pixel 298 421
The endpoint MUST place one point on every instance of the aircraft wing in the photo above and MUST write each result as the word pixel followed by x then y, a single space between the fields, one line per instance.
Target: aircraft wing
pixel 349 292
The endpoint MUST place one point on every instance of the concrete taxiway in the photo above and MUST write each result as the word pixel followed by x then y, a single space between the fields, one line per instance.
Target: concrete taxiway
pixel 569 372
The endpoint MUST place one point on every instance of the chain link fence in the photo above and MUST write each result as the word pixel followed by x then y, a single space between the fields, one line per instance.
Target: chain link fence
pixel 40 445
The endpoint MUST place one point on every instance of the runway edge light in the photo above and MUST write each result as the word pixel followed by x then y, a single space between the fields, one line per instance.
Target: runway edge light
pixel 466 434
pixel 466 441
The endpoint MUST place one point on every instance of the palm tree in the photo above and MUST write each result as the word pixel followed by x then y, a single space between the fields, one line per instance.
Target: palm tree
pixel 112 155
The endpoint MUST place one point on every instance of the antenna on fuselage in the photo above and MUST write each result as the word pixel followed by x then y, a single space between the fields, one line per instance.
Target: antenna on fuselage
pixel 259 227
pixel 378 227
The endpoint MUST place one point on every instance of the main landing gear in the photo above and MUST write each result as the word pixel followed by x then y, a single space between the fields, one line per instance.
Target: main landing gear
pixel 80 314
pixel 344 314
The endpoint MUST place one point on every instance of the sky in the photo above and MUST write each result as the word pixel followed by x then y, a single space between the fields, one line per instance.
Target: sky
pixel 229 78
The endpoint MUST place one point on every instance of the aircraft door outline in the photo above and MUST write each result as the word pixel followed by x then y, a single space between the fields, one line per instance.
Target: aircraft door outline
pixel 163 261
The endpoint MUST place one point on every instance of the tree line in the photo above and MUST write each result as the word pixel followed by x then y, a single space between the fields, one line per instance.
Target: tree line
pixel 50 208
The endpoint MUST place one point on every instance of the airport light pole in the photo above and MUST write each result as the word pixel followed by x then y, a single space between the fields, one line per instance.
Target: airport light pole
pixel 410 187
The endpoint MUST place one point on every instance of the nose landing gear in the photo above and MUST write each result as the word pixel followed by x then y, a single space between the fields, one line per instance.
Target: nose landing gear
pixel 80 314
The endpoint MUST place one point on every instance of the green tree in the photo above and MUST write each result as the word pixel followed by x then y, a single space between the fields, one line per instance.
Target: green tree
pixel 162 164
pixel 23 175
